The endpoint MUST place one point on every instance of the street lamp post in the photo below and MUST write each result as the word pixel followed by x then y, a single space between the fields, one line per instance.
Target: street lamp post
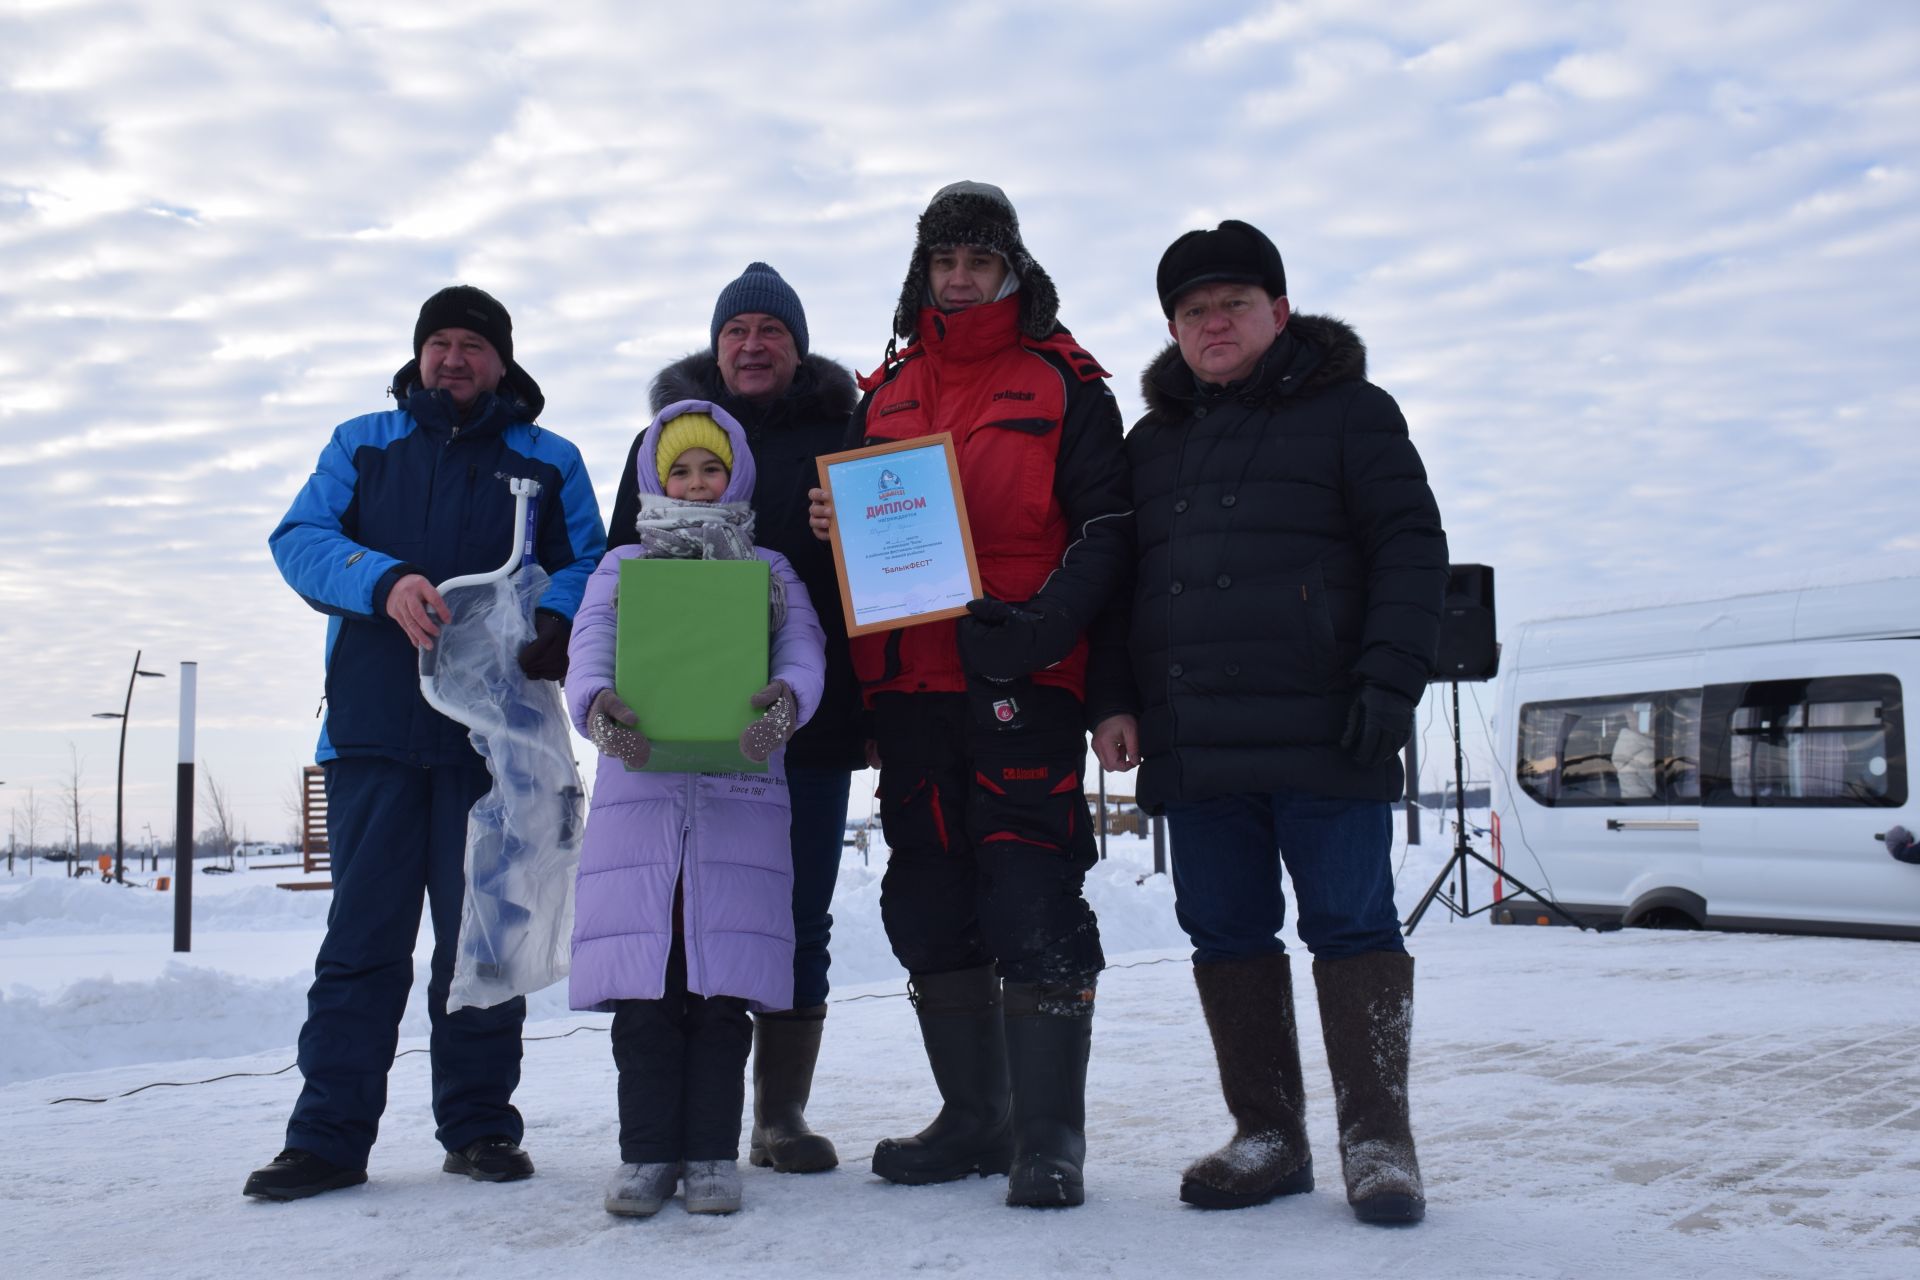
pixel 120 778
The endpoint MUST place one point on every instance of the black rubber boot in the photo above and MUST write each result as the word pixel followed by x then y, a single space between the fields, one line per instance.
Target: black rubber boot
pixel 295 1174
pixel 1249 1009
pixel 1049 1035
pixel 1366 1015
pixel 966 1044
pixel 785 1047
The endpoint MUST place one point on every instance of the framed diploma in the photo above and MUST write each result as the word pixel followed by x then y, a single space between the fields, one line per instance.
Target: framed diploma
pixel 901 544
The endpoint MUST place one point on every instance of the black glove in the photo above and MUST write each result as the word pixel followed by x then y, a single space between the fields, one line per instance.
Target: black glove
pixel 545 656
pixel 1003 641
pixel 1378 725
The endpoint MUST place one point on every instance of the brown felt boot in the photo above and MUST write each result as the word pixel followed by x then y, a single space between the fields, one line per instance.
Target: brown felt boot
pixel 1249 1009
pixel 1366 1015
pixel 785 1048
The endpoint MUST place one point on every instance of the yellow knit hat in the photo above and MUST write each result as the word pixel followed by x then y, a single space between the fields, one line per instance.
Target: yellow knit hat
pixel 691 431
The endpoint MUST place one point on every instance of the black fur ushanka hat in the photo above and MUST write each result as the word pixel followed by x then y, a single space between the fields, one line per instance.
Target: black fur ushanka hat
pixel 977 213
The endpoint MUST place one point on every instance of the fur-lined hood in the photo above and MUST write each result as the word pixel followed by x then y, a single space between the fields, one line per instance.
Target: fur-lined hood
pixel 821 388
pixel 517 388
pixel 1311 353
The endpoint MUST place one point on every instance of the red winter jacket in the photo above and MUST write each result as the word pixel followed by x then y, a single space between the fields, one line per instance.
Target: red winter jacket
pixel 1042 467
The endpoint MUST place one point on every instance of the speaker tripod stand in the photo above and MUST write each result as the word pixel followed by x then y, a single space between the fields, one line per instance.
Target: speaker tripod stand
pixel 1463 851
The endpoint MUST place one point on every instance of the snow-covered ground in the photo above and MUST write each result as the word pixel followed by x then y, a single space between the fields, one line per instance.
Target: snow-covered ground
pixel 1633 1104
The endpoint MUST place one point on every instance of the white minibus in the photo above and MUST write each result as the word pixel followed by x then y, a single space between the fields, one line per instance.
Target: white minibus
pixel 1724 764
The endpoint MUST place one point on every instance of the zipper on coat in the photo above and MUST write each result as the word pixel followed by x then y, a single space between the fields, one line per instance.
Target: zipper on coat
pixel 1173 526
pixel 687 909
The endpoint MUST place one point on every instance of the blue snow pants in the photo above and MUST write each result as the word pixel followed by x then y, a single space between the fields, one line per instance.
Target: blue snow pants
pixel 398 832
pixel 819 800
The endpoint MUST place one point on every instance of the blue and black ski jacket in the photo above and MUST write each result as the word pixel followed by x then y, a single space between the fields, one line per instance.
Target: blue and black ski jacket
pixel 419 489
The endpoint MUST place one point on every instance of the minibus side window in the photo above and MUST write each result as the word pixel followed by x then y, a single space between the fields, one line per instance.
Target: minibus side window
pixel 1622 749
pixel 1680 748
pixel 1833 741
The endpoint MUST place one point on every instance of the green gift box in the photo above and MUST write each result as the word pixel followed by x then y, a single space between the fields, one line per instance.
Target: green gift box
pixel 690 649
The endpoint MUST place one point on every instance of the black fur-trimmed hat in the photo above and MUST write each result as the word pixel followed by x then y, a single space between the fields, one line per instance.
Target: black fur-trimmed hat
pixel 1232 253
pixel 461 306
pixel 977 213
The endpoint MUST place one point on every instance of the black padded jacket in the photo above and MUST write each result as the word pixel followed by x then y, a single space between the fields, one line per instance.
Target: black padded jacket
pixel 1289 551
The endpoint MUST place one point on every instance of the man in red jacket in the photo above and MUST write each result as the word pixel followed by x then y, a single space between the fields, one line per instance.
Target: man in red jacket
pixel 980 724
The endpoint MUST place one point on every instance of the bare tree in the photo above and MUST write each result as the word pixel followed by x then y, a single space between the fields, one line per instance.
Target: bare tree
pixel 221 810
pixel 293 802
pixel 31 816
pixel 71 789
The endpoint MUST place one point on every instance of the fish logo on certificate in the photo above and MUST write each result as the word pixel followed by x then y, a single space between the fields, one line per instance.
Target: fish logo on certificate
pixel 901 543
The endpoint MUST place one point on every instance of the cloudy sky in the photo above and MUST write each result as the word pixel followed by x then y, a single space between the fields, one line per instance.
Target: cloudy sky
pixel 1640 274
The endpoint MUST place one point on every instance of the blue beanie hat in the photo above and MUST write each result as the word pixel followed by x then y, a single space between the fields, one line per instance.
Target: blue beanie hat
pixel 760 289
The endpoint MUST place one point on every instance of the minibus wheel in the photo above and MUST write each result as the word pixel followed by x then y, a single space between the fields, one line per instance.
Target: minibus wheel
pixel 1666 918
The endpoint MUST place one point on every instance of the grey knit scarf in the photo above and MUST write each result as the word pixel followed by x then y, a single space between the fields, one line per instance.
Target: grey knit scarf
pixel 675 529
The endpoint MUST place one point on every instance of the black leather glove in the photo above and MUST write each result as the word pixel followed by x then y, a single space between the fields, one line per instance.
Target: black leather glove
pixel 615 730
pixel 545 656
pixel 1004 641
pixel 1379 723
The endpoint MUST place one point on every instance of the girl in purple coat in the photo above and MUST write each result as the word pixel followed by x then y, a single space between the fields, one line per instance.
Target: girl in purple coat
pixel 684 915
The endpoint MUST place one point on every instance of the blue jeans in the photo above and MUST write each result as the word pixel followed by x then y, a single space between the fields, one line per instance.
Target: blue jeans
pixel 819 800
pixel 1226 875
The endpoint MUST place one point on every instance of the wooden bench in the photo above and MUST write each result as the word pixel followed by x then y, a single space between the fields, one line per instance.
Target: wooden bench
pixel 305 884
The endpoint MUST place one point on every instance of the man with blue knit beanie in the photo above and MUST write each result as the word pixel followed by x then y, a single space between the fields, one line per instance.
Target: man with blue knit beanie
pixel 761 291
pixel 794 406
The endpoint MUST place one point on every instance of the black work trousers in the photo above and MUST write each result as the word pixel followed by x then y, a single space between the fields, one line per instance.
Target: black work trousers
pixel 682 1061
pixel 983 803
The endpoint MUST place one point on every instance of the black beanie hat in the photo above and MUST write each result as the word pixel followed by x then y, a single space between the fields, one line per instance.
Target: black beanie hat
pixel 461 306
pixel 760 289
pixel 1232 253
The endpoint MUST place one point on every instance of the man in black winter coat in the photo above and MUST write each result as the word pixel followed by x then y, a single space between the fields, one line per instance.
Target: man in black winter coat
pixel 1283 625
pixel 795 406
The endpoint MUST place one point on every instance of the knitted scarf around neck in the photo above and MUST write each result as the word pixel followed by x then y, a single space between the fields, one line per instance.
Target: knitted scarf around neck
pixel 675 529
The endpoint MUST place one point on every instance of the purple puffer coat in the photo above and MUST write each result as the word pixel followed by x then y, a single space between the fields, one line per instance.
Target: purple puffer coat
pixel 722 837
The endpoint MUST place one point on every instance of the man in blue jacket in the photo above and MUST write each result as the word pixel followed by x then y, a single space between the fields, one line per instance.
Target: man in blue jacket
pixel 401 500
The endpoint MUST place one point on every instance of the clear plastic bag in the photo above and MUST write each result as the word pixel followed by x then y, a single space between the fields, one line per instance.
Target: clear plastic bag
pixel 523 836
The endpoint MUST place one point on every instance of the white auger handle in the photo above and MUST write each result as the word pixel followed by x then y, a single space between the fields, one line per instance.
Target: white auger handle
pixel 523 490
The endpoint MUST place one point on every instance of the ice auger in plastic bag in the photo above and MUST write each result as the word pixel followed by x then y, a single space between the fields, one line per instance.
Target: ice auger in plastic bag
pixel 523 836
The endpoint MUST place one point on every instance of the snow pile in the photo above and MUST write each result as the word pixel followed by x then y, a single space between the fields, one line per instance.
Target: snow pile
pixel 242 989
pixel 1626 1104
pixel 53 905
